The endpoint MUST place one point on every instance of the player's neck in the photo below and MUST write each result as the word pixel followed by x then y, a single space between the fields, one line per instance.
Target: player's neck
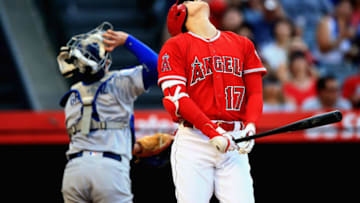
pixel 202 26
pixel 206 31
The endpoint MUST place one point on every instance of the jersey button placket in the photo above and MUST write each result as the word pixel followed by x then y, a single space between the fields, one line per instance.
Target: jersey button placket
pixel 218 80
pixel 212 50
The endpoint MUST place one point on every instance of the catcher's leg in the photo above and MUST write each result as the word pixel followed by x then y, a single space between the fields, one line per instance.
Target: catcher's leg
pixel 74 184
pixel 192 159
pixel 233 182
pixel 110 181
pixel 94 178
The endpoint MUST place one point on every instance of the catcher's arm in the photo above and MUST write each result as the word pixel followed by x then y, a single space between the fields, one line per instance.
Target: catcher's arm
pixel 113 39
pixel 143 53
pixel 152 145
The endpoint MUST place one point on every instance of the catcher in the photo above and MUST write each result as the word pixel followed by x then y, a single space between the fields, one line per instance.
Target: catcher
pixel 99 115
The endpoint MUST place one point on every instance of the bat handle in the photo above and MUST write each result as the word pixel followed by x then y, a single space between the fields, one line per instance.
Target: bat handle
pixel 247 138
pixel 243 139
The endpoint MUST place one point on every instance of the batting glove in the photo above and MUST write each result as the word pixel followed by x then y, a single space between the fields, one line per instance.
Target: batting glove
pixel 224 141
pixel 246 146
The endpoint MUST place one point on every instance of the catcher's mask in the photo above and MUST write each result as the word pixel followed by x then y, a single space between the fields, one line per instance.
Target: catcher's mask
pixel 85 53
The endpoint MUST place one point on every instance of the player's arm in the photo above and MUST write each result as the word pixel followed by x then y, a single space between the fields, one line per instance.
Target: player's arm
pixel 253 72
pixel 172 80
pixel 180 106
pixel 144 54
pixel 254 97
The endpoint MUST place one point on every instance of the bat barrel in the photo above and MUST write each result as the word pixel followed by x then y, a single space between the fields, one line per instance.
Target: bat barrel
pixel 311 122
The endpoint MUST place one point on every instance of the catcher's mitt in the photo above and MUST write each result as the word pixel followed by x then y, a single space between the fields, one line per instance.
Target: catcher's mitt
pixel 154 144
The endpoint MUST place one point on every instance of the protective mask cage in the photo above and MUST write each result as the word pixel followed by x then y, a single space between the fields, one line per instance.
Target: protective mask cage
pixel 85 52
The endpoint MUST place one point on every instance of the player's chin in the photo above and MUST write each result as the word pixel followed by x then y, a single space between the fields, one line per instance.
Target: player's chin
pixel 202 4
pixel 198 6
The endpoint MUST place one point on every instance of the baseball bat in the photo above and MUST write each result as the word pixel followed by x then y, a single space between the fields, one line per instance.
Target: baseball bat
pixel 306 123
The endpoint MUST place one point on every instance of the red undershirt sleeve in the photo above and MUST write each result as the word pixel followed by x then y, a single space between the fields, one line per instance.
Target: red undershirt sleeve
pixel 192 113
pixel 254 97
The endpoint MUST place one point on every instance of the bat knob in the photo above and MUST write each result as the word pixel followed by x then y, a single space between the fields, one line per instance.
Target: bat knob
pixel 338 115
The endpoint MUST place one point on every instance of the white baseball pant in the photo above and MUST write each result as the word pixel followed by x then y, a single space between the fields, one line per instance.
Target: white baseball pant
pixel 199 170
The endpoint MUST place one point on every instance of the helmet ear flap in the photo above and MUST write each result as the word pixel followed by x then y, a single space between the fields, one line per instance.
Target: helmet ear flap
pixel 183 27
pixel 176 18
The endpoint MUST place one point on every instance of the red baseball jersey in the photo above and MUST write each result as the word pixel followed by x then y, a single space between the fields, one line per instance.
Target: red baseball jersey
pixel 212 71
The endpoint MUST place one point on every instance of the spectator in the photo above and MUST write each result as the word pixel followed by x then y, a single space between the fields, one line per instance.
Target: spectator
pixel 276 52
pixel 354 53
pixel 333 38
pixel 351 90
pixel 306 14
pixel 302 85
pixel 297 44
pixel 253 11
pixel 355 16
pixel 246 30
pixel 236 3
pixel 232 20
pixel 328 97
pixel 274 100
pixel 153 12
pixel 262 15
pixel 217 10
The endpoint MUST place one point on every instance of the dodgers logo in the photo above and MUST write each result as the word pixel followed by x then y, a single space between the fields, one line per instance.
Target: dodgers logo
pixel 165 66
pixel 74 99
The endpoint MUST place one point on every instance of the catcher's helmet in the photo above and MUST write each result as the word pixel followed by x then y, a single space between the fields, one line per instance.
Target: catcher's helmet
pixel 85 53
pixel 176 18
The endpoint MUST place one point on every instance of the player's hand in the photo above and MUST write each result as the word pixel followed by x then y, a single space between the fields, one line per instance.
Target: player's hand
pixel 113 39
pixel 224 141
pixel 246 146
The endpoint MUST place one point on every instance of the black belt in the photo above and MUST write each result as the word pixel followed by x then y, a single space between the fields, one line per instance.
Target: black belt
pixel 104 154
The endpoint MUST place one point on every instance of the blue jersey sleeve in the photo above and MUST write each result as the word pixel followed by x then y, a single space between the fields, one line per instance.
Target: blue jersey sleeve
pixel 146 56
pixel 132 130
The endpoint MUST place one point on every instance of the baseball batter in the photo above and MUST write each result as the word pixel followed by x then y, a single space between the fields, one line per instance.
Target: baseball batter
pixel 212 83
pixel 99 111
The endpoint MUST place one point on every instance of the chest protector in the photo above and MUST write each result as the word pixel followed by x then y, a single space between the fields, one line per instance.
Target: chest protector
pixel 87 95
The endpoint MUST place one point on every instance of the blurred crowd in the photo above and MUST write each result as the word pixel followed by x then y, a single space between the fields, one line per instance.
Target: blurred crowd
pixel 309 47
